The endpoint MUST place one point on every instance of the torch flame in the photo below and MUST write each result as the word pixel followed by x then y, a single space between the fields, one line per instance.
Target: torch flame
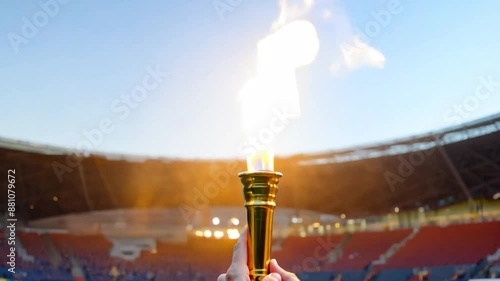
pixel 274 87
pixel 261 161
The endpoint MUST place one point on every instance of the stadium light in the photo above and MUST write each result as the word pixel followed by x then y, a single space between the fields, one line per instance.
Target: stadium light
pixel 215 221
pixel 218 234
pixel 207 233
pixel 233 233
pixel 234 221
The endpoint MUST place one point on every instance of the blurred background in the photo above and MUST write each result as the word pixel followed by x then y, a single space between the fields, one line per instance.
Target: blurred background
pixel 125 125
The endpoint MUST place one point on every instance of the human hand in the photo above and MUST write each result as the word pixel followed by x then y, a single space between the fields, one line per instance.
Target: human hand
pixel 238 270
pixel 283 274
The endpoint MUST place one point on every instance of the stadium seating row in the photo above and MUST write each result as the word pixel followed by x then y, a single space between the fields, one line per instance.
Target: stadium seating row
pixel 440 251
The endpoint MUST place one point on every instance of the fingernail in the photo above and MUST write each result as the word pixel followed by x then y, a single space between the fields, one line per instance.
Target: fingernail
pixel 276 275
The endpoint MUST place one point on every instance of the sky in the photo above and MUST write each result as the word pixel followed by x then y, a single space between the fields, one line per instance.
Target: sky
pixel 68 70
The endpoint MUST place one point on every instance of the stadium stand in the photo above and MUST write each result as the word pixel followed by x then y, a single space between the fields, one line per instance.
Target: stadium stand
pixel 455 250
pixel 36 246
pixel 365 247
pixel 4 248
pixel 452 245
pixel 38 270
pixel 169 261
pixel 307 253
pixel 447 252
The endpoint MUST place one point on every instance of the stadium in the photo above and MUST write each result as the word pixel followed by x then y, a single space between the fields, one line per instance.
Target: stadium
pixel 236 140
pixel 424 208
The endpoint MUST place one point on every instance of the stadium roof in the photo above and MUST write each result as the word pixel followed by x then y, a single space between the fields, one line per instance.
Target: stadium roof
pixel 430 170
pixel 446 136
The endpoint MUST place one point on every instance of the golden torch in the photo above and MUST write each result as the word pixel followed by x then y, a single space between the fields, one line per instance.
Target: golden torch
pixel 259 191
pixel 268 100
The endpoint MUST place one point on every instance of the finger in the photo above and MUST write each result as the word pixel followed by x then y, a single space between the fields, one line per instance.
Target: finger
pixel 222 277
pixel 240 251
pixel 239 270
pixel 285 275
pixel 272 277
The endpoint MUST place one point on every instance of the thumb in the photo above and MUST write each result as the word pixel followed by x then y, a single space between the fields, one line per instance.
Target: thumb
pixel 285 275
pixel 272 277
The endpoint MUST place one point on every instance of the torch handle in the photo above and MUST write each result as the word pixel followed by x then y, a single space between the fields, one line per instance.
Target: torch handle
pixel 260 227
pixel 259 191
